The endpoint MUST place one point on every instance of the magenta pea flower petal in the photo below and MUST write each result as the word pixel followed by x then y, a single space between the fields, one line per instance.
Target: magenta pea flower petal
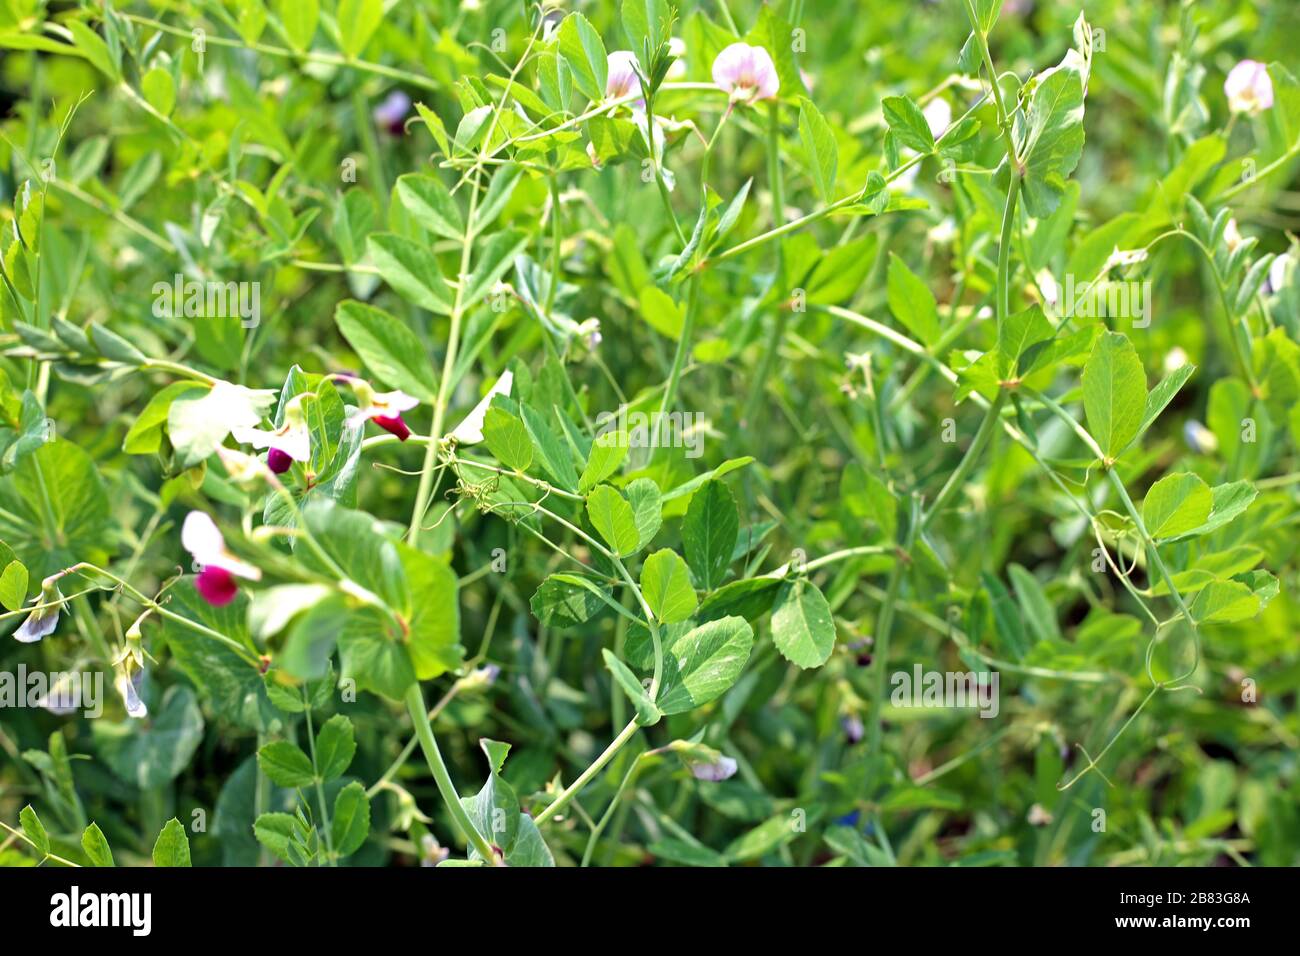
pixel 201 537
pixel 746 72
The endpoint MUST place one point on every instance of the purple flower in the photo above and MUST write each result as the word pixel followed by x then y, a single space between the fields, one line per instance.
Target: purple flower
pixel 216 580
pixel 622 80
pixel 746 72
pixel 1248 87
pixel 716 770
pixel 392 112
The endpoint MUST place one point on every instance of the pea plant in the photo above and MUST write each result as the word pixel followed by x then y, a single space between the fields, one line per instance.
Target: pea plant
pixel 517 434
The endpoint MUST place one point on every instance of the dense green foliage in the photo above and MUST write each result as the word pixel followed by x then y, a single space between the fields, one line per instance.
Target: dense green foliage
pixel 456 440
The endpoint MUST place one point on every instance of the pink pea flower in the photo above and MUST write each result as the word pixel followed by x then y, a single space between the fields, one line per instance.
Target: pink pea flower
pixel 746 72
pixel 383 408
pixel 289 443
pixel 1248 87
pixel 622 79
pixel 715 771
pixel 218 567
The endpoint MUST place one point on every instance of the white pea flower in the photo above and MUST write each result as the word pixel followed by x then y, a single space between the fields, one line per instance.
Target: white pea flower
pixel 1248 87
pixel 716 770
pixel 1277 273
pixel 746 72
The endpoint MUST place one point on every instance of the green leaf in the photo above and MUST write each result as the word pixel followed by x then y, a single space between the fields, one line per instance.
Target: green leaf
pixel 702 664
pixel 660 312
pixel 646 23
pixel 1163 394
pixel 666 584
pixel 802 628
pixel 1224 602
pixel 159 90
pixel 647 713
pixel 561 602
pixel 358 20
pixel 709 533
pixel 508 439
pixel 285 764
pixel 92 46
pixel 151 753
pixel 434 619
pixel 172 847
pixel 1229 501
pixel 1035 608
pixel 1049 137
pixel 1114 393
pixel 96 847
pixel 613 518
pixel 391 351
pixel 145 434
pixel 34 830
pixel 13 586
pixel 335 746
pixel 583 50
pixel 553 454
pixel 299 18
pixel 282 835
pixel 912 302
pixel 496 255
pixel 908 123
pixel 430 204
pixel 411 270
pixel 819 145
pixel 350 823
pixel 608 452
pixel 647 505
pixel 1176 504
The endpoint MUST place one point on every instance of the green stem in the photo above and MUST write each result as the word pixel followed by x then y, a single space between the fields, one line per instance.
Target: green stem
pixel 560 802
pixel 326 827
pixel 429 744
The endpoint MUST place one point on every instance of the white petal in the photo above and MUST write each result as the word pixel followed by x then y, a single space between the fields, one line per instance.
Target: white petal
pixel 37 626
pixel 201 537
pixel 296 443
pixel 130 695
pixel 392 403
pixel 470 431
pixel 257 437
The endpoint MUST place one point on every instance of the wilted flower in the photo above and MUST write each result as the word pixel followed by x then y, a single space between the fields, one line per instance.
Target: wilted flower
pixel 219 568
pixel 746 72
pixel 129 667
pixel 1199 438
pixel 470 431
pixel 1038 817
pixel 431 851
pixel 243 469
pixel 44 617
pixel 715 770
pixel 1248 87
pixel 289 443
pixel 622 79
pixel 383 408
pixel 392 112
